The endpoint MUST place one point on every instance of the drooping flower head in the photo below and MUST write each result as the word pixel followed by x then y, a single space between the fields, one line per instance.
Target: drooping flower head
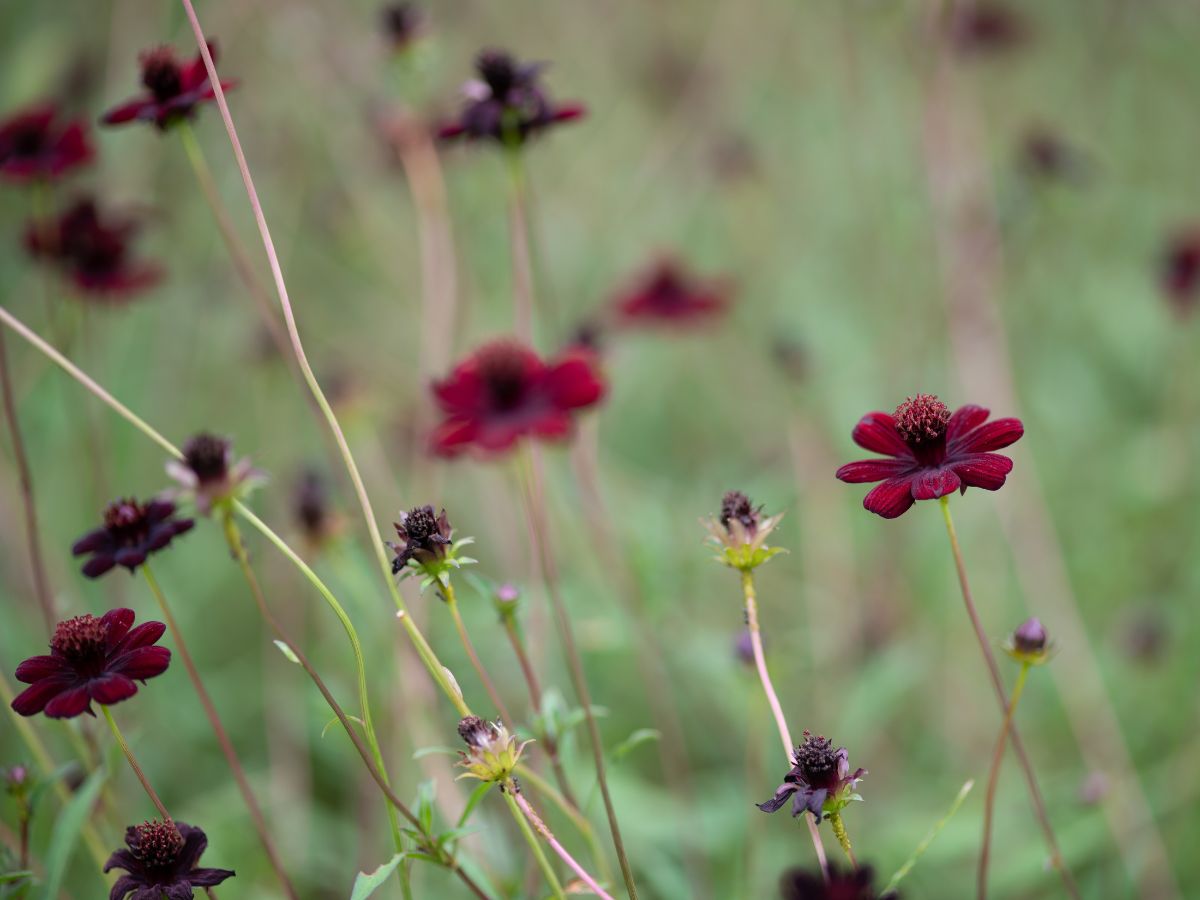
pixel 666 294
pixel 210 476
pixel 93 251
pixel 843 884
pixel 507 103
pixel 403 24
pixel 492 753
pixel 35 144
pixel 161 860
pixel 130 533
pixel 91 659
pixel 429 548
pixel 173 89
pixel 933 453
pixel 820 781
pixel 1028 643
pixel 740 532
pixel 504 391
pixel 1180 270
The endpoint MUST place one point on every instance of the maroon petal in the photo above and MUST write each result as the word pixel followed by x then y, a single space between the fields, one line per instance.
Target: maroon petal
pixel 143 636
pixel 138 108
pixel 497 436
pixel 123 885
pixel 121 859
pixel 209 877
pixel 868 470
pixel 890 499
pixel 143 663
pixel 194 844
pixel 876 431
pixel 70 703
pixel 992 436
pixel 130 558
pixel 929 484
pixel 462 391
pixel 553 427
pixel 33 700
pixel 964 419
pixel 453 436
pixel 112 688
pixel 90 542
pixel 983 470
pixel 573 382
pixel 36 668
pixel 118 622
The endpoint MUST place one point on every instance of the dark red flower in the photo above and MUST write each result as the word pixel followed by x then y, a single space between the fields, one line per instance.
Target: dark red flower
pixel 34 145
pixel 933 453
pixel 985 27
pixel 668 295
pixel 130 533
pixel 92 250
pixel 850 884
pixel 403 24
pixel 91 659
pixel 161 862
pixel 173 89
pixel 507 103
pixel 1180 272
pixel 820 781
pixel 504 391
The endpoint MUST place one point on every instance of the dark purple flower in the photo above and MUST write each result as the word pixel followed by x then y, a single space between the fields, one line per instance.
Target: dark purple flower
pixel 1028 643
pixel 933 453
pixel 173 89
pixel 507 103
pixel 161 860
pixel 92 251
pixel 210 476
pixel 820 781
pixel 666 294
pixel 848 884
pixel 34 145
pixel 504 391
pixel 426 537
pixel 403 24
pixel 130 533
pixel 91 659
pixel 1180 269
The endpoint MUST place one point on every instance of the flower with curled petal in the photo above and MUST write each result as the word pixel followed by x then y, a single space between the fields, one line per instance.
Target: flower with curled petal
pixel 429 549
pixel 130 533
pixel 91 659
pixel 933 453
pixel 34 144
pixel 173 89
pixel 740 533
pixel 161 861
pixel 820 782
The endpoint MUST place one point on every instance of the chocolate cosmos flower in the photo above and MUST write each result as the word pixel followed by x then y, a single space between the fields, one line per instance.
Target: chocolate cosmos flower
pixel 131 532
pixel 854 884
pixel 161 862
pixel 426 537
pixel 173 89
pixel 507 103
pixel 504 391
pixel 92 251
pixel 91 659
pixel 34 145
pixel 666 294
pixel 819 782
pixel 209 474
pixel 933 453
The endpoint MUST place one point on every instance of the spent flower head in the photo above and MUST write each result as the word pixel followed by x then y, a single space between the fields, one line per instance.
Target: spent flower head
pixel 161 859
pixel 492 753
pixel 130 533
pixel 429 549
pixel 740 533
pixel 209 475
pixel 173 89
pixel 820 781
pixel 1028 643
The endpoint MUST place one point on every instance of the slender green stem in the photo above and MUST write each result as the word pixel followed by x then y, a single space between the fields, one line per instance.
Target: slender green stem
pixel 522 266
pixel 989 799
pixel 451 600
pixel 531 839
pixel 843 837
pixel 135 765
pixel 1039 805
pixel 214 720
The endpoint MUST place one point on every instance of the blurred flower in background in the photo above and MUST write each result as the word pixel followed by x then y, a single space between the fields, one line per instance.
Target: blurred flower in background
pixel 666 294
pixel 1180 269
pixel 173 89
pixel 857 884
pixel 403 25
pixel 37 144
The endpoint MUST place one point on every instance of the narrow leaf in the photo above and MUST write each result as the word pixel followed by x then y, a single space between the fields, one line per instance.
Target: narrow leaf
pixel 288 652
pixel 66 832
pixel 368 882
pixel 635 740
pixel 933 833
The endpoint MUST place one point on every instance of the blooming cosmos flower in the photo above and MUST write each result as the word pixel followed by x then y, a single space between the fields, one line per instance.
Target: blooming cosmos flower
pixel 161 860
pixel 130 533
pixel 35 145
pixel 1180 269
pixel 820 781
pixel 209 474
pixel 173 89
pixel 851 884
pixel 666 294
pixel 92 251
pixel 91 659
pixel 507 103
pixel 933 453
pixel 504 391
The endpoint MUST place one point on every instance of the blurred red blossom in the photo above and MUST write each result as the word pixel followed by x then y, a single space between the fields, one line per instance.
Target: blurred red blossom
pixel 37 144
pixel 173 89
pixel 666 293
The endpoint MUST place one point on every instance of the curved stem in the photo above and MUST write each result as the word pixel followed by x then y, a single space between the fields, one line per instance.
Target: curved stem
pixel 451 600
pixel 558 848
pixel 222 736
pixel 37 565
pixel 1039 805
pixel 133 764
pixel 750 597
pixel 531 839
pixel 843 837
pixel 989 800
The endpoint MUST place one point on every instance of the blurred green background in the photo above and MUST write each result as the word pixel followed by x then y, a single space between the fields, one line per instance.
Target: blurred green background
pixel 862 185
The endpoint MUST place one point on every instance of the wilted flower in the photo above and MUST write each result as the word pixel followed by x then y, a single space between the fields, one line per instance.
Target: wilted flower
pixel 666 294
pixel 741 532
pixel 492 753
pixel 851 884
pixel 504 391
pixel 209 475
pixel 1028 644
pixel 311 508
pixel 173 89
pixel 92 250
pixel 91 659
pixel 34 145
pixel 161 860
pixel 403 24
pixel 934 453
pixel 1180 269
pixel 429 548
pixel 131 532
pixel 820 782
pixel 507 103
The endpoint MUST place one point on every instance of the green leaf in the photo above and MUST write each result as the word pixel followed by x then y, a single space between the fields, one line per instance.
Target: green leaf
pixel 335 720
pixel 288 652
pixel 13 877
pixel 66 832
pixel 472 802
pixel 635 740
pixel 430 751
pixel 933 833
pixel 368 882
pixel 426 792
